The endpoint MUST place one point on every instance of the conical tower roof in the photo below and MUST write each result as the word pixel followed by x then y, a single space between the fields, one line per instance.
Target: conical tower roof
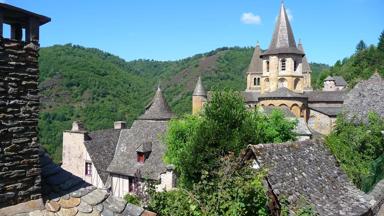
pixel 283 40
pixel 158 109
pixel 199 89
pixel 256 65
pixel 306 66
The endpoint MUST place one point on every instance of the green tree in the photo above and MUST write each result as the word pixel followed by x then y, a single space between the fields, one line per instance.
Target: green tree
pixel 380 45
pixel 196 143
pixel 359 147
pixel 361 46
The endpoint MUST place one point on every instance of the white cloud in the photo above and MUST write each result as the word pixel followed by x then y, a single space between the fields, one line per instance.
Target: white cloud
pixel 2 1
pixel 250 18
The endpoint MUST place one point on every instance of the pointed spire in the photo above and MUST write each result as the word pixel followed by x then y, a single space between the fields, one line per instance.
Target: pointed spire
pixel 283 40
pixel 306 66
pixel 158 109
pixel 199 89
pixel 256 65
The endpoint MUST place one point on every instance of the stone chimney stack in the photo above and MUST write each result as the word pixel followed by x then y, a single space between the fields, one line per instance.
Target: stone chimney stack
pixel 77 127
pixel 120 125
pixel 19 106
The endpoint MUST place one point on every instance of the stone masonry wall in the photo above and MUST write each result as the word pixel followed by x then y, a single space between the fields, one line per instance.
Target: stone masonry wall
pixel 19 107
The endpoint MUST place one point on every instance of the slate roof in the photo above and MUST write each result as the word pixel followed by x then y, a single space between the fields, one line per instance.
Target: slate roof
pixel 158 109
pixel 101 147
pixel 251 96
pixel 66 194
pixel 329 111
pixel 199 89
pixel 340 81
pixel 366 96
pixel 256 65
pixel 283 40
pixel 326 96
pixel 306 66
pixel 329 78
pixel 282 93
pixel 285 110
pixel 308 170
pixel 125 159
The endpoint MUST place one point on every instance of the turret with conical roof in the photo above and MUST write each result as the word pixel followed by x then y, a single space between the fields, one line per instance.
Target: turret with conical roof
pixel 158 109
pixel 255 70
pixel 282 61
pixel 199 89
pixel 306 69
pixel 283 40
pixel 199 97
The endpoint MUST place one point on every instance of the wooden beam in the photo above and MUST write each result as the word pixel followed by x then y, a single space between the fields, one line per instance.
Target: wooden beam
pixel 1 24
pixel 32 30
pixel 16 32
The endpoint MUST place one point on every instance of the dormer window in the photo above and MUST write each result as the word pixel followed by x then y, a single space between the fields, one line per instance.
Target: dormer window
pixel 283 64
pixel 140 157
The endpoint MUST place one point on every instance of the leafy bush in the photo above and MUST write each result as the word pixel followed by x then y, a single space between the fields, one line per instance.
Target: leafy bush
pixel 196 143
pixel 229 190
pixel 133 199
pixel 359 148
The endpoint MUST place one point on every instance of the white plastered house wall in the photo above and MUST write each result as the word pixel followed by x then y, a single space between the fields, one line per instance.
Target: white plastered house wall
pixel 75 155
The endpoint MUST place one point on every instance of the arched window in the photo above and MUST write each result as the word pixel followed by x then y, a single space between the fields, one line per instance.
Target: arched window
pixel 282 83
pixel 256 81
pixel 267 66
pixel 283 64
pixel 294 65
pixel 297 84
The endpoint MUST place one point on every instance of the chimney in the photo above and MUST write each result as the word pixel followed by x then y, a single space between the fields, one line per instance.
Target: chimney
pixel 118 125
pixel 20 180
pixel 77 126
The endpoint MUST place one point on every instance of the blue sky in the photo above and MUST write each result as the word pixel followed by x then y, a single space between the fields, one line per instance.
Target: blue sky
pixel 175 29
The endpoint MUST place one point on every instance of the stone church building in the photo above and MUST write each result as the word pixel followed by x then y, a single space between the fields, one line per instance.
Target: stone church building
pixel 280 77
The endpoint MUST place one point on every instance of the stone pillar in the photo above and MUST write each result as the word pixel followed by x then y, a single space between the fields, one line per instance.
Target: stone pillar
pixel 16 32
pixel 19 109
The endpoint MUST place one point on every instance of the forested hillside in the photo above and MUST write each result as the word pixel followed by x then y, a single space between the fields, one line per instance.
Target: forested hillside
pixel 78 83
pixel 360 66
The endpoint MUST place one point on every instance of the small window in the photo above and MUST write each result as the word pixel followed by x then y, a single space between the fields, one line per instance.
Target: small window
pixel 294 65
pixel 88 168
pixel 258 81
pixel 254 81
pixel 267 66
pixel 283 64
pixel 140 157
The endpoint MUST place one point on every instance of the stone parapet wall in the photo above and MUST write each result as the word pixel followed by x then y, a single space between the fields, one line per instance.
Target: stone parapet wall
pixel 20 178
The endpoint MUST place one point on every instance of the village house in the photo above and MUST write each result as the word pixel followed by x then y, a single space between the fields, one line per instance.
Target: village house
pixel 280 78
pixel 121 158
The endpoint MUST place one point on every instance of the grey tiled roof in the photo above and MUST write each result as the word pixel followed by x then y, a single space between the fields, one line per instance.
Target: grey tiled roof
pixel 282 93
pixel 329 78
pixel 251 96
pixel 125 159
pixel 308 170
pixel 287 113
pixel 199 89
pixel 256 65
pixel 283 40
pixel 329 111
pixel 326 96
pixel 158 109
pixel 101 147
pixel 340 81
pixel 66 194
pixel 366 96
pixel 306 66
